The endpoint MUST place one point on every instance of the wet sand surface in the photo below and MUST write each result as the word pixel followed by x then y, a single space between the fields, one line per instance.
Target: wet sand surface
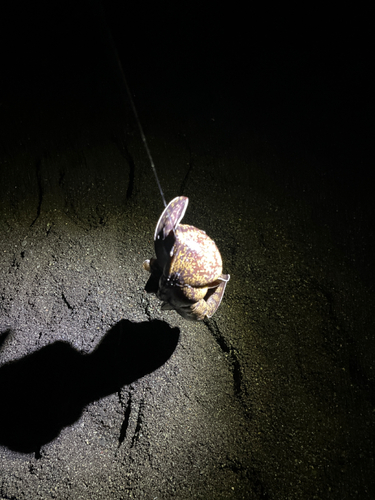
pixel 105 396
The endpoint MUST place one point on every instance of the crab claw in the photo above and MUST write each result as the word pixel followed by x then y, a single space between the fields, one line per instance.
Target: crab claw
pixel 164 237
pixel 208 306
pixel 171 217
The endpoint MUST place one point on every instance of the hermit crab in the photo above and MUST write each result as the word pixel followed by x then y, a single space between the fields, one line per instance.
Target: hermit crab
pixel 187 272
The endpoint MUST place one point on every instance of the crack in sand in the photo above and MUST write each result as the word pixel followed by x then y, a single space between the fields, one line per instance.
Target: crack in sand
pixel 40 190
pixel 231 355
pixel 125 423
pixel 130 161
pixel 138 425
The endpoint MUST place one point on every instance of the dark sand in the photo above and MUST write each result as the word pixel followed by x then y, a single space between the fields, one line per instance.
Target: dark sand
pixel 103 396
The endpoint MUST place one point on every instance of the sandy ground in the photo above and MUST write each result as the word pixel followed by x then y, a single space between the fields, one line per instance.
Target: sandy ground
pixel 103 396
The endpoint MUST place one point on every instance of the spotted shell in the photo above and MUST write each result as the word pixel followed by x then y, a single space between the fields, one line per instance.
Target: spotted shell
pixel 195 258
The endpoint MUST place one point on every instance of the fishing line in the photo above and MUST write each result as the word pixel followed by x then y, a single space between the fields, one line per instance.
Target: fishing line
pixel 140 126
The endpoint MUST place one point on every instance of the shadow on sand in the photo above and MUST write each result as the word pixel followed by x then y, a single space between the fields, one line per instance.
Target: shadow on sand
pixel 47 390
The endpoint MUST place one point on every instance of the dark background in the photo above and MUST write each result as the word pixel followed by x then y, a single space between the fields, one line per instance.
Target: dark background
pixel 300 79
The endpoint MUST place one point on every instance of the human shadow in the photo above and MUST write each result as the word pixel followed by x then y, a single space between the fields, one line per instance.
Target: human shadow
pixel 48 389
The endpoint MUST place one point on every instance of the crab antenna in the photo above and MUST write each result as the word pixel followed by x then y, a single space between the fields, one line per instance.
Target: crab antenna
pixel 139 125
pixel 143 138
